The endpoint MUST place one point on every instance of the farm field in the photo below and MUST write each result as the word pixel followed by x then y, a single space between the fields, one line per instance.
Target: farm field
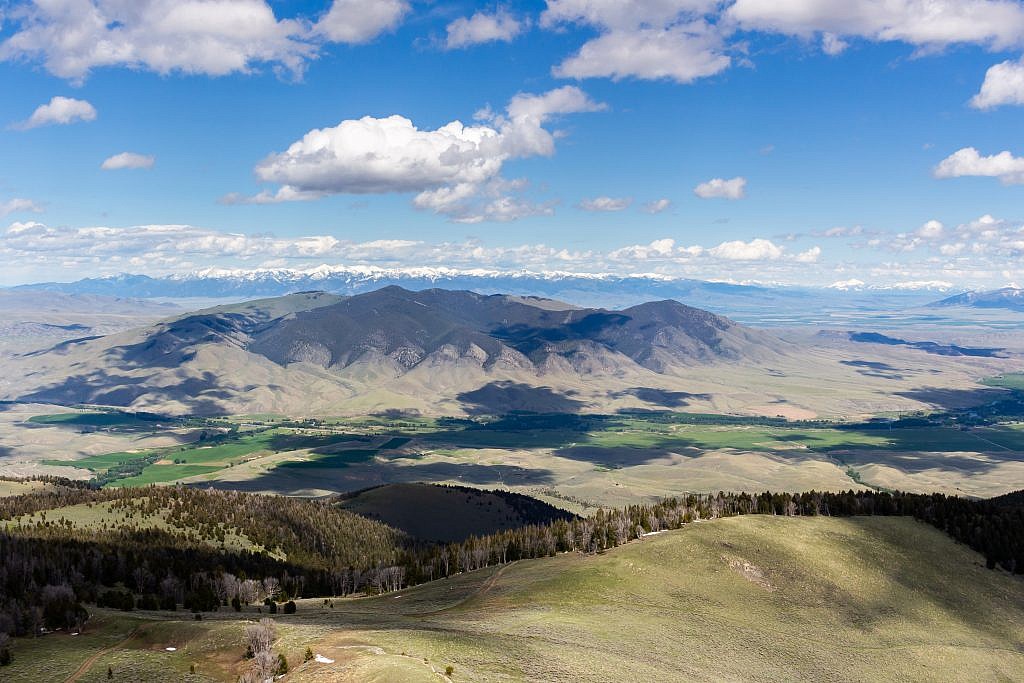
pixel 575 462
pixel 745 598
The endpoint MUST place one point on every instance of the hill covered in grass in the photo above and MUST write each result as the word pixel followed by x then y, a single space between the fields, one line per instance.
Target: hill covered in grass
pixel 753 598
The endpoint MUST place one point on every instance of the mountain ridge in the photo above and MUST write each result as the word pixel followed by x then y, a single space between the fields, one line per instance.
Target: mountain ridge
pixel 1010 298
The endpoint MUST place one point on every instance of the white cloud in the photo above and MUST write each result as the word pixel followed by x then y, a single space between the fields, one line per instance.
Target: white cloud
pixel 483 28
pixel 931 230
pixel 812 255
pixel 720 188
pixel 360 21
pixel 658 249
pixel 648 39
pixel 19 205
pixel 212 37
pixel 841 231
pixel 449 166
pixel 969 162
pixel 995 24
pixel 1004 84
pixel 605 203
pixel 831 44
pixel 680 53
pixel 128 160
pixel 754 250
pixel 59 111
pixel 657 206
pixel 987 241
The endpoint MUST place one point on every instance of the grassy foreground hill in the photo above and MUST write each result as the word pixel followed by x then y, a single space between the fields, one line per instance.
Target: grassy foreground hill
pixel 743 598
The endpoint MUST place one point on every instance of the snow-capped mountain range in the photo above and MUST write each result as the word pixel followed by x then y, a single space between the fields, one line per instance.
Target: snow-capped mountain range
pixel 596 289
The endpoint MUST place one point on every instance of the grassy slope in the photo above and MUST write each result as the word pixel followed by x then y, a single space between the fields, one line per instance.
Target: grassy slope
pixel 853 599
pixel 17 488
pixel 104 515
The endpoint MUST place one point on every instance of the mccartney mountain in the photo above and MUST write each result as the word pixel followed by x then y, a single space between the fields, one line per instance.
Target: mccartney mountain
pixel 1010 298
pixel 440 352
pixel 321 350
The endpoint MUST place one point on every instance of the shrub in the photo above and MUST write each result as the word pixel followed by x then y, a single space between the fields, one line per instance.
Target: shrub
pixel 118 599
pixel 308 656
pixel 449 670
pixel 289 607
pixel 282 664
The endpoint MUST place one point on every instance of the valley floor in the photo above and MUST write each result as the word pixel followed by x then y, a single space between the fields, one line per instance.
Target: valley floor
pixel 744 598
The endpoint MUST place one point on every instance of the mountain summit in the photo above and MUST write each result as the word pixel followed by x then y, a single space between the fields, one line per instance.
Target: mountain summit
pixel 435 351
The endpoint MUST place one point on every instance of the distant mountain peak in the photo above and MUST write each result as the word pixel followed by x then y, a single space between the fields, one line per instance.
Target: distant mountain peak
pixel 1010 298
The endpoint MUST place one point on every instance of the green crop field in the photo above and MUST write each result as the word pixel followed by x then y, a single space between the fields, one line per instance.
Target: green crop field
pixel 161 474
pixel 749 598
pixel 100 463
pixel 330 460
pixel 1007 381
pixel 98 419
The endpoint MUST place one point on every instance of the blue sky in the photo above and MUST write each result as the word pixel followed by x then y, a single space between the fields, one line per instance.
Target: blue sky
pixel 802 142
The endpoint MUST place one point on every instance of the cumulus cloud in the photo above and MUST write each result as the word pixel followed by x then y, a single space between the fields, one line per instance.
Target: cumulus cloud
pixel 451 167
pixel 483 28
pixel 19 205
pixel 685 40
pixel 931 230
pixel 657 206
pixel 754 250
pixel 969 162
pixel 128 160
pixel 212 37
pixel 605 204
pixel 59 111
pixel 360 21
pixel 812 255
pixel 720 188
pixel 663 39
pixel 680 53
pixel 986 240
pixel 1003 84
pixel 995 24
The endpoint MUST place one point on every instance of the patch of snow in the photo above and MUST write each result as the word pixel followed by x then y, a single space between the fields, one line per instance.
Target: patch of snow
pixel 171 649
pixel 323 660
